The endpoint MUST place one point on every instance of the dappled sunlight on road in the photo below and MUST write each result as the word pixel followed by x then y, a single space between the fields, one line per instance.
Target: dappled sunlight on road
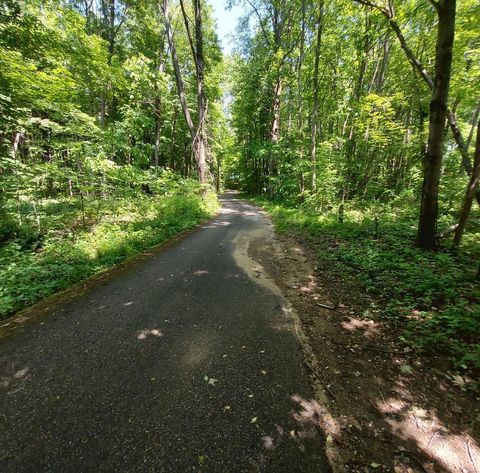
pixel 216 224
pixel 16 381
pixel 200 347
pixel 232 209
pixel 143 334
pixel 309 420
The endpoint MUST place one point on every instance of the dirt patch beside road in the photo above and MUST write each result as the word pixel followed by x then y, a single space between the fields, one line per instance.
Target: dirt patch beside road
pixel 381 407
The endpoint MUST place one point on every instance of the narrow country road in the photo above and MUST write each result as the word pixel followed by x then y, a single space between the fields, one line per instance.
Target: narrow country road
pixel 187 361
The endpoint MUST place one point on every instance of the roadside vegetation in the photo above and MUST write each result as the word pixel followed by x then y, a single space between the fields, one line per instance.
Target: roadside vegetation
pixel 61 241
pixel 430 299
pixel 97 159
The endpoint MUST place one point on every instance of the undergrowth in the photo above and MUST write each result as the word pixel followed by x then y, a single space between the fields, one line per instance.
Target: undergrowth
pixel 432 298
pixel 62 241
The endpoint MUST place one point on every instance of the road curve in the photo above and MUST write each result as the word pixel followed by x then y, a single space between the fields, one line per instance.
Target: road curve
pixel 185 362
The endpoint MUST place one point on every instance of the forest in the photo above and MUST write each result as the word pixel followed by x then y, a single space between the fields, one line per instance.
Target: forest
pixel 355 123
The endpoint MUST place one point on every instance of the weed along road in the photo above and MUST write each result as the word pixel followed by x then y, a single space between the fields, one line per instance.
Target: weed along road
pixel 186 361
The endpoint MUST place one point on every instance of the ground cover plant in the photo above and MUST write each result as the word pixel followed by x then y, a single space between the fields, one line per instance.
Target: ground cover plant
pixel 431 299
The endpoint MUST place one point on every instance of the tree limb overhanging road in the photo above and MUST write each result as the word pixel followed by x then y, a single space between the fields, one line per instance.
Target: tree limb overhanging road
pixel 187 361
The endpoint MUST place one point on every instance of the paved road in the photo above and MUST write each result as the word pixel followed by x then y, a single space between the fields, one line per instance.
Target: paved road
pixel 122 379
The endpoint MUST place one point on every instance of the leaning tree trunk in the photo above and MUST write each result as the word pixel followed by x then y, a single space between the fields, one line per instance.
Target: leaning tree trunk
pixel 419 67
pixel 199 151
pixel 472 185
pixel 200 144
pixel 197 133
pixel 438 115
pixel 176 69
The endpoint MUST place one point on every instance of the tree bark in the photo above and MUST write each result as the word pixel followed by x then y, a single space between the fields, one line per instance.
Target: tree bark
pixel 438 114
pixel 300 99
pixel 201 144
pixel 475 118
pixel 157 111
pixel 380 81
pixel 314 117
pixel 197 133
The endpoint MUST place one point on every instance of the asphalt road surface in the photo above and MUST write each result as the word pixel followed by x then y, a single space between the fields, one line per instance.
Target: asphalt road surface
pixel 186 361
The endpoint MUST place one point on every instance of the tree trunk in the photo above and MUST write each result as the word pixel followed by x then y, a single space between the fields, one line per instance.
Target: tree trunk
pixel 438 115
pixel 201 99
pixel 314 118
pixel 380 81
pixel 158 115
pixel 197 133
pixel 176 69
pixel 300 99
pixel 158 132
pixel 472 185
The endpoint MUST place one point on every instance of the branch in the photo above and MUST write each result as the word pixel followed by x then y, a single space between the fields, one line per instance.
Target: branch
pixel 267 39
pixel 370 4
pixel 186 20
pixel 417 65
pixel 117 29
pixel 474 124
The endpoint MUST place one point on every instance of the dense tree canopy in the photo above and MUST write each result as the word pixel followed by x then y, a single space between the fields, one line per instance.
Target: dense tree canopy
pixel 90 85
pixel 333 99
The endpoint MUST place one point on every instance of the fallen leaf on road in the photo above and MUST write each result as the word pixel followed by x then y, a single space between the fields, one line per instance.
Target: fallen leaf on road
pixel 209 380
pixel 254 419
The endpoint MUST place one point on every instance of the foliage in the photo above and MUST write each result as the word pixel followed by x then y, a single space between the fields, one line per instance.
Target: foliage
pixel 432 298
pixel 61 250
pixel 95 159
pixel 353 121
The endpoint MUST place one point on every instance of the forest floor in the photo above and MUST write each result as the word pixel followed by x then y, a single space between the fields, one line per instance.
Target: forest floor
pixel 381 406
